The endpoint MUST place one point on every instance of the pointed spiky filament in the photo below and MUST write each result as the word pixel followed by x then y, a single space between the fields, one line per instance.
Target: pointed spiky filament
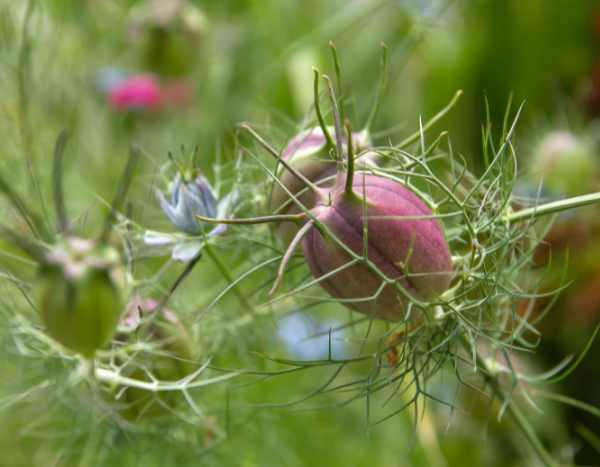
pixel 339 144
pixel 271 150
pixel 57 181
pixel 289 253
pixel 338 78
pixel 33 221
pixel 350 172
pixel 254 220
pixel 337 124
pixel 436 118
pixel 27 246
pixel 178 165
pixel 320 118
pixel 381 88
pixel 123 188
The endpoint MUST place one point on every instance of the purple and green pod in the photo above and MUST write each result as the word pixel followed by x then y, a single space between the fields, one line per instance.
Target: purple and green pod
pixel 309 154
pixel 411 251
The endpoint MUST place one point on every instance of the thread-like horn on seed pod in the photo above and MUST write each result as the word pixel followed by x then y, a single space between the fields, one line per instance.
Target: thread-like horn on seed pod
pixel 309 154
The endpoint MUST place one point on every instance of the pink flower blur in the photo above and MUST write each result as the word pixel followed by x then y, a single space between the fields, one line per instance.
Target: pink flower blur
pixel 138 92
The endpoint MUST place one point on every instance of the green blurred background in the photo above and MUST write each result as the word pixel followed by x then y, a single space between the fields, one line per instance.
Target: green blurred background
pixel 251 60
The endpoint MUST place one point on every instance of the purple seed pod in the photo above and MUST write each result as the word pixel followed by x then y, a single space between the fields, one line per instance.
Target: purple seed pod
pixel 412 251
pixel 308 153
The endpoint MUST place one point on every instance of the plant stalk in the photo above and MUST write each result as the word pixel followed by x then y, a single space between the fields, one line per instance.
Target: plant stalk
pixel 225 273
pixel 514 411
pixel 545 209
pixel 553 207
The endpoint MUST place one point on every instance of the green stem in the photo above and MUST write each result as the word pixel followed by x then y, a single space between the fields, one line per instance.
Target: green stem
pixel 337 123
pixel 254 220
pixel 531 436
pixel 122 189
pixel 57 182
pixel 514 411
pixel 553 207
pixel 338 78
pixel 320 118
pixel 540 210
pixel 225 273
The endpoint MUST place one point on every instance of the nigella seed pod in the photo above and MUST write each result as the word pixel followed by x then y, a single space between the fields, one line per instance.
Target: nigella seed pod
pixel 308 154
pixel 80 294
pixel 411 251
pixel 188 199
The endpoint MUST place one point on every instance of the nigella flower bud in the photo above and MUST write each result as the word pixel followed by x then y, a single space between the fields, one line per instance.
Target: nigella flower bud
pixel 188 199
pixel 412 251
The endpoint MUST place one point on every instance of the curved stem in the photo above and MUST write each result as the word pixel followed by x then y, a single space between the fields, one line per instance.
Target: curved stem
pixel 514 411
pixel 320 118
pixel 288 254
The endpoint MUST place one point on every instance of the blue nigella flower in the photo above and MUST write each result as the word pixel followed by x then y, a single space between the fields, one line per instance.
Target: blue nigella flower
pixel 187 200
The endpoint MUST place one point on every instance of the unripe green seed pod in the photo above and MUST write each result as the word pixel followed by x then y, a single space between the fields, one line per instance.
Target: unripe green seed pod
pixel 565 163
pixel 412 251
pixel 80 294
